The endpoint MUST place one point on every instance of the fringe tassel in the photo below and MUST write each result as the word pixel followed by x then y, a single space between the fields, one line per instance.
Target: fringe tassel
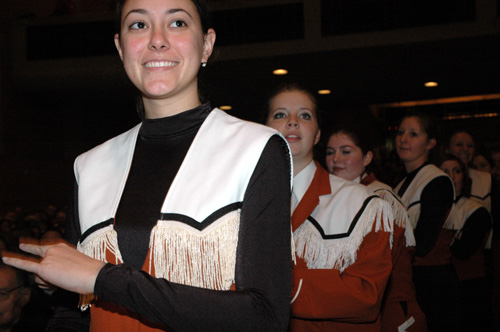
pixel 203 259
pixel 341 253
pixel 95 246
pixel 398 211
pixel 400 216
pixel 292 245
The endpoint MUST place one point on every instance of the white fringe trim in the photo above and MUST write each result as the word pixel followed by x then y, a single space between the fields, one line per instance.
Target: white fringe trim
pixel 292 246
pixel 95 246
pixel 400 216
pixel 341 253
pixel 204 259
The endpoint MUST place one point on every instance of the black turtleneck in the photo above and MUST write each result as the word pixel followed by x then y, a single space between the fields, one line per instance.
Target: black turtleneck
pixel 161 147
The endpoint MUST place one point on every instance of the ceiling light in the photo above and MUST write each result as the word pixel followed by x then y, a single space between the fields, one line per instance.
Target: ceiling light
pixel 280 72
pixel 324 92
pixel 226 107
pixel 431 84
pixel 440 101
pixel 469 116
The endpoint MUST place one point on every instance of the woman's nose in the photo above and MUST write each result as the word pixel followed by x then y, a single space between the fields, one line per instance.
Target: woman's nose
pixel 159 41
pixel 403 137
pixel 292 123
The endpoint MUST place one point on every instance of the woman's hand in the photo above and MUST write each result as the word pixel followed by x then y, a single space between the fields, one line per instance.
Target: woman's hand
pixel 60 265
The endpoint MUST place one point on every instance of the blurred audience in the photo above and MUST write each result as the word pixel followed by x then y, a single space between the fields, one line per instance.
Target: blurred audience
pixel 23 306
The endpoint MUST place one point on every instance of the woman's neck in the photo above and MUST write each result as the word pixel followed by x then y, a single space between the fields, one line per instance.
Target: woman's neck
pixel 160 108
pixel 299 165
pixel 413 165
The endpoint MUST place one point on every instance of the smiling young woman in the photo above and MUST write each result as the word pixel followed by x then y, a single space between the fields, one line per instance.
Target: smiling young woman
pixel 341 231
pixel 181 223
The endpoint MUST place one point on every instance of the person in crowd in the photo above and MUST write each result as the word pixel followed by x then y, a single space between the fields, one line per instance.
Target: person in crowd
pixel 428 194
pixel 462 145
pixel 341 231
pixel 481 162
pixel 349 154
pixel 486 191
pixel 183 222
pixel 473 222
pixel 14 296
pixel 495 163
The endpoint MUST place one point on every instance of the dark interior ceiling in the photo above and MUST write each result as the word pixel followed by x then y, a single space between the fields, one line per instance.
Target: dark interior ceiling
pixel 365 76
pixel 61 72
pixel 357 77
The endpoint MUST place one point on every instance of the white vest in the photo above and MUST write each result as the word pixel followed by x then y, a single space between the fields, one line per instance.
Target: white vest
pixel 481 187
pixel 332 234
pixel 398 210
pixel 411 197
pixel 202 207
pixel 464 208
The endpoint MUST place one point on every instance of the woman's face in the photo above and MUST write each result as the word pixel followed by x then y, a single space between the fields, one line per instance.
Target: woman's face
pixel 462 146
pixel 344 158
pixel 454 171
pixel 162 46
pixel 481 163
pixel 292 113
pixel 412 143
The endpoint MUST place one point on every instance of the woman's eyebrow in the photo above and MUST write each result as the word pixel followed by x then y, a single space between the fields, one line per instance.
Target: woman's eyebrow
pixel 139 11
pixel 167 12
pixel 176 10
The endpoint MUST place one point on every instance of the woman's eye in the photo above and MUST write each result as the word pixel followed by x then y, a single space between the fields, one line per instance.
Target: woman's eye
pixel 399 133
pixel 346 152
pixel 278 116
pixel 306 116
pixel 330 152
pixel 138 25
pixel 413 134
pixel 177 24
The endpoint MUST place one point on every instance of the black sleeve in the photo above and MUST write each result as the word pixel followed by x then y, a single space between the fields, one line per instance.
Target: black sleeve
pixel 263 267
pixel 72 231
pixel 435 203
pixel 473 234
pixel 67 317
pixel 495 205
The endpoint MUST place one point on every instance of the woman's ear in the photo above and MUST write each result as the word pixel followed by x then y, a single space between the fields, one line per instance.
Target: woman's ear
pixel 367 159
pixel 318 136
pixel 208 45
pixel 118 46
pixel 431 143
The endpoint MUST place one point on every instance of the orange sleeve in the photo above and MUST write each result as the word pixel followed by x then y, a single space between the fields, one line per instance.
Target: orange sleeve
pixel 354 295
